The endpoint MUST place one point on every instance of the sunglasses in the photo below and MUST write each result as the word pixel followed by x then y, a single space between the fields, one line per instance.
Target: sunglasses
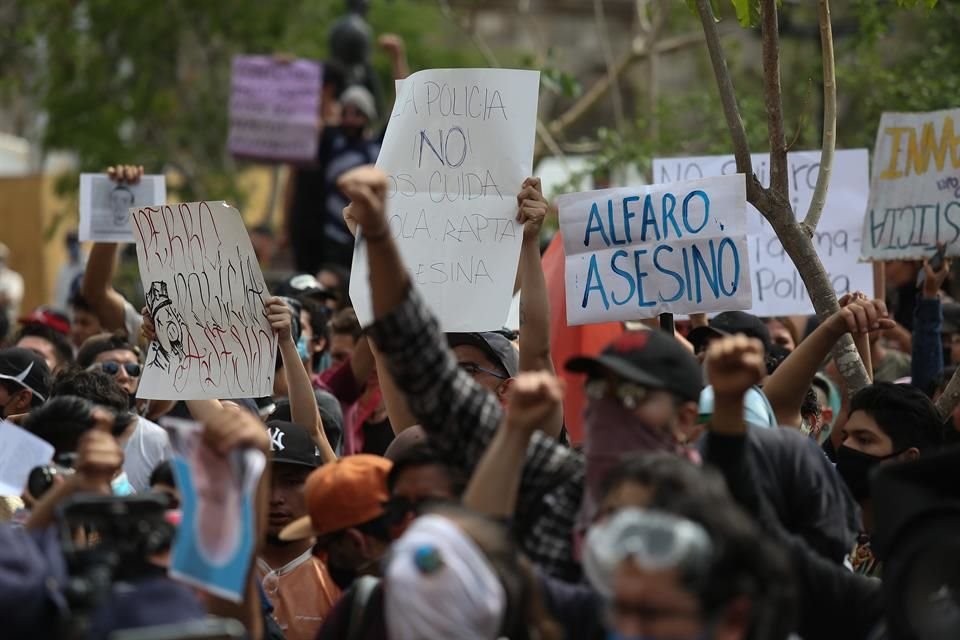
pixel 630 395
pixel 112 368
pixel 473 369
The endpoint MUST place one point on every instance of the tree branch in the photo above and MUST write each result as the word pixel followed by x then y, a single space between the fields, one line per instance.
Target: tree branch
pixel 770 34
pixel 615 95
pixel 741 149
pixel 812 218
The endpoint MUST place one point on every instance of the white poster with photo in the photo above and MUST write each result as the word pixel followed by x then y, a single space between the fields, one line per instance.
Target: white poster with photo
pixel 206 294
pixel 458 146
pixel 636 252
pixel 105 205
pixel 216 539
pixel 915 187
pixel 777 287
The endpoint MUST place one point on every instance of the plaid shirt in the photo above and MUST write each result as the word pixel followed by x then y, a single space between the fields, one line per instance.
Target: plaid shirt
pixel 461 418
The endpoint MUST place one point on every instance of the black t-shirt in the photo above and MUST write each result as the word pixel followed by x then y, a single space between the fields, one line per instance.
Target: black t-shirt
pixel 377 436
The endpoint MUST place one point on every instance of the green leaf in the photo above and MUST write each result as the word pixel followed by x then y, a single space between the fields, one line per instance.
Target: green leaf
pixel 748 12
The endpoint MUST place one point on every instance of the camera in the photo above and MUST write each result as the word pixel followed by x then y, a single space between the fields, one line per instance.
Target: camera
pixel 42 478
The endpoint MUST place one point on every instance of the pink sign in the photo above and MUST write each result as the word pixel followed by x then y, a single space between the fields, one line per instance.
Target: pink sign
pixel 274 108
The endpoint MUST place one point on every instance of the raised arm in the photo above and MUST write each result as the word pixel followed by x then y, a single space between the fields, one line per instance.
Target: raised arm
pixel 788 385
pixel 534 304
pixel 926 362
pixel 97 284
pixel 303 401
pixel 493 488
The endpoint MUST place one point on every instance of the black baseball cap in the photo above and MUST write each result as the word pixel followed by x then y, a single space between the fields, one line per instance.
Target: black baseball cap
pixel 304 284
pixel 500 350
pixel 26 368
pixel 291 443
pixel 653 359
pixel 730 323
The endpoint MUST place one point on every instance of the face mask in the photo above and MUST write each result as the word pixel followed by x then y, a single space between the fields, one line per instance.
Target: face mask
pixel 302 348
pixel 121 485
pixel 612 431
pixel 855 467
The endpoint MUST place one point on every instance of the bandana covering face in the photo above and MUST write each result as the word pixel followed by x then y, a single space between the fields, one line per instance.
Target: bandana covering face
pixel 439 585
pixel 610 432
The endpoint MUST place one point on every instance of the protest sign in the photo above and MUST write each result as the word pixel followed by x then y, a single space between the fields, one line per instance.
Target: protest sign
pixel 458 146
pixel 105 205
pixel 274 108
pixel 206 295
pixel 776 284
pixel 215 541
pixel 20 452
pixel 634 253
pixel 915 187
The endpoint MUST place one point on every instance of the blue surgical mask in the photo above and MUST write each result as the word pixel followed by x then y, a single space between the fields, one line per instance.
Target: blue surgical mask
pixel 302 348
pixel 121 485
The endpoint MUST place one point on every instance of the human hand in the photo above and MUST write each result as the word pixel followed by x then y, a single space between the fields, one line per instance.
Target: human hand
pixel 860 315
pixel 734 364
pixel 392 44
pixel 933 280
pixel 532 208
pixel 280 316
pixel 125 173
pixel 234 428
pixel 366 187
pixel 148 330
pixel 349 219
pixel 99 458
pixel 533 398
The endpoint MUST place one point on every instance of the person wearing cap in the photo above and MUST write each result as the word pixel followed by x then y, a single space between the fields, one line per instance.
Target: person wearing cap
pixel 643 397
pixel 345 502
pixel 490 357
pixel 49 342
pixel 296 581
pixel 24 381
pixel 315 227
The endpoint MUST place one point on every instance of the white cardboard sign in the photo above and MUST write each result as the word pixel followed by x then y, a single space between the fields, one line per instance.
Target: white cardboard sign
pixel 105 205
pixel 636 252
pixel 205 292
pixel 915 187
pixel 458 146
pixel 777 287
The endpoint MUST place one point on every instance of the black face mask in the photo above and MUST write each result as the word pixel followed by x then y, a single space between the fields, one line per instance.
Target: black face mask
pixel 855 467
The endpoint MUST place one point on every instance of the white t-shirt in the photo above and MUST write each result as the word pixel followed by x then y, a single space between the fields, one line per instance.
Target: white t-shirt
pixel 132 322
pixel 147 447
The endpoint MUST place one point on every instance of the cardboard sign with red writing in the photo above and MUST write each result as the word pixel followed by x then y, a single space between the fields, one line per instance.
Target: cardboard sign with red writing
pixel 205 292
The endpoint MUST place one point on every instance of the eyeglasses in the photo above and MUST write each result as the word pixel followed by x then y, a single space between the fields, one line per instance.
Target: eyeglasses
pixel 652 539
pixel 629 394
pixel 112 368
pixel 473 369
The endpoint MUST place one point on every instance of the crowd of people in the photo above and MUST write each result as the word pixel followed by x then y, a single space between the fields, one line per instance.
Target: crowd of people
pixel 424 486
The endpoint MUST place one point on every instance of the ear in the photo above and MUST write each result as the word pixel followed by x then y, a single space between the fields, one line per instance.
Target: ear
pixel 685 426
pixel 504 389
pixel 22 402
pixel 319 345
pixel 735 622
